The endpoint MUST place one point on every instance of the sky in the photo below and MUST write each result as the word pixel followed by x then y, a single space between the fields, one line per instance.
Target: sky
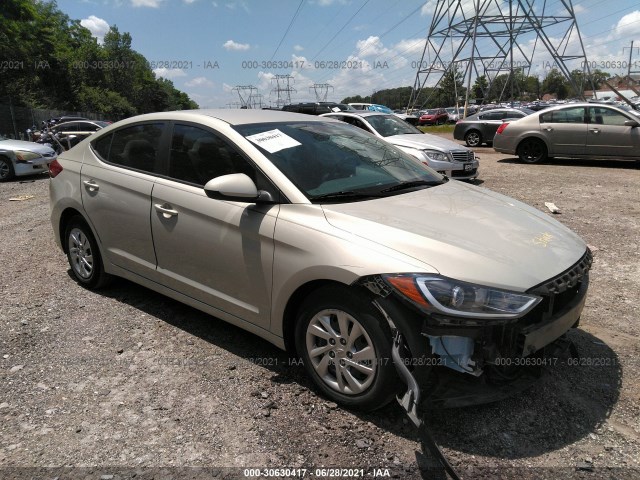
pixel 209 48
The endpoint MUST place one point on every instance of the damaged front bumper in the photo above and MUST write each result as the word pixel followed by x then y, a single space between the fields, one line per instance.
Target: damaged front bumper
pixel 499 352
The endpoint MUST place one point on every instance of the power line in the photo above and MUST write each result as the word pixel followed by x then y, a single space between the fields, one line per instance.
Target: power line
pixel 293 19
pixel 341 29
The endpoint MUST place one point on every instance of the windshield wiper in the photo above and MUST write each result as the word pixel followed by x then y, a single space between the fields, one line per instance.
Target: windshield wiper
pixel 343 194
pixel 413 184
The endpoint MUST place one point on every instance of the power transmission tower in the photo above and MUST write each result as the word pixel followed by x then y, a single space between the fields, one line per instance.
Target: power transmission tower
pixel 255 100
pixel 321 91
pixel 283 89
pixel 492 37
pixel 245 92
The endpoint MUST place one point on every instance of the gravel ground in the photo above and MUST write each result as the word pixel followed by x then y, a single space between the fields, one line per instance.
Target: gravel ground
pixel 127 383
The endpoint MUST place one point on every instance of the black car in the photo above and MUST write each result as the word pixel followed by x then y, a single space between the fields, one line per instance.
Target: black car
pixel 481 127
pixel 317 108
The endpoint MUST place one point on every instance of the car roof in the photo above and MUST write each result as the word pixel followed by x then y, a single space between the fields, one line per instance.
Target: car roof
pixel 360 113
pixel 229 115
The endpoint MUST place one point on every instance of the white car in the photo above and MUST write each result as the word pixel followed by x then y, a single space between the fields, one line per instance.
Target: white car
pixel 19 158
pixel 441 154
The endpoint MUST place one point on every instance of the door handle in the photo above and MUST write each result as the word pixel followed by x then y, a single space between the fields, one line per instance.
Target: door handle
pixel 595 130
pixel 549 129
pixel 91 185
pixel 167 211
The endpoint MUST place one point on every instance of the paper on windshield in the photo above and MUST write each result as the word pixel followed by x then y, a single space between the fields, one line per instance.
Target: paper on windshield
pixel 273 141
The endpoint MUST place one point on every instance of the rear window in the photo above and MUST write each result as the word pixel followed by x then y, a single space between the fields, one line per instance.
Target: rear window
pixel 133 147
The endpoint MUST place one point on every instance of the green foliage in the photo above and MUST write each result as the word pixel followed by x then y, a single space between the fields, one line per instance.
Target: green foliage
pixel 59 65
pixel 394 98
pixel 555 83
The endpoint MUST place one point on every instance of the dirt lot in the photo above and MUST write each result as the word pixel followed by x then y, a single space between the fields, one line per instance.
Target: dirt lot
pixel 118 383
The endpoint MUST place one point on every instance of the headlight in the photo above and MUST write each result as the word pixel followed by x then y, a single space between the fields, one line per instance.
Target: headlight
pixel 24 156
pixel 462 299
pixel 436 155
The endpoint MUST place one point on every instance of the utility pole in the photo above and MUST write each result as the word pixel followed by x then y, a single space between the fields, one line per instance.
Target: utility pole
pixel 492 37
pixel 283 89
pixel 245 92
pixel 321 91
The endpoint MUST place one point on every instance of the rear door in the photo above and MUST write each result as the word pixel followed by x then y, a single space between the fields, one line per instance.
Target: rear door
pixel 117 179
pixel 565 130
pixel 608 136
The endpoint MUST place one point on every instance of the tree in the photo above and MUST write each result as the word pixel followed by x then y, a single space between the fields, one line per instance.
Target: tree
pixel 59 65
pixel 450 88
pixel 556 84
pixel 480 88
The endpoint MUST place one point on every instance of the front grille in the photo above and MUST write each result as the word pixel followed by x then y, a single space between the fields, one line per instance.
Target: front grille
pixel 463 156
pixel 567 279
pixel 560 291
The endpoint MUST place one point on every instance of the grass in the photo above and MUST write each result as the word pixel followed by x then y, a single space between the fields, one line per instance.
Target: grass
pixel 447 128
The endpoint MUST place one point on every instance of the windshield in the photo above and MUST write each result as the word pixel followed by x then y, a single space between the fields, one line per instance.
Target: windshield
pixel 336 159
pixel 389 125
pixel 2 137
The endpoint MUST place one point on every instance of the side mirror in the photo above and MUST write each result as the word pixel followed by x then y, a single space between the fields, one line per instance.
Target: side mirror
pixel 631 123
pixel 236 186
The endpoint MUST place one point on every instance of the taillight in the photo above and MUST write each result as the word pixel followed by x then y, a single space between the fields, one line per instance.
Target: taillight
pixel 54 168
pixel 501 128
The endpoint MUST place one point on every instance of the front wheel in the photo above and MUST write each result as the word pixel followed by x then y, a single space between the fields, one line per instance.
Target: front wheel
pixel 532 150
pixel 84 255
pixel 6 169
pixel 345 346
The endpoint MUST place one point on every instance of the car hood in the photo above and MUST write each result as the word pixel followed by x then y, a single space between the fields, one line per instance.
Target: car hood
pixel 466 232
pixel 22 145
pixel 423 141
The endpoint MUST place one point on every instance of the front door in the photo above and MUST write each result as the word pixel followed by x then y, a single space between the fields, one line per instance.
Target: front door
pixel 218 252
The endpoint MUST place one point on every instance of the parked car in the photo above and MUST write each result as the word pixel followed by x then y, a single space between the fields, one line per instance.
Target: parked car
pixel 439 153
pixel 583 130
pixel 317 108
pixel 19 158
pixel 71 133
pixel 322 239
pixel 481 127
pixel 433 116
pixel 374 107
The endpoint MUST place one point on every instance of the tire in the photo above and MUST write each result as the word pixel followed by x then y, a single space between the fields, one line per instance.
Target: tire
pixel 6 169
pixel 84 256
pixel 473 138
pixel 327 324
pixel 532 150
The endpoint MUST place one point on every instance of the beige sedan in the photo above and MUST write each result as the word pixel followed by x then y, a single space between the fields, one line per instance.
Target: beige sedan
pixel 579 130
pixel 321 239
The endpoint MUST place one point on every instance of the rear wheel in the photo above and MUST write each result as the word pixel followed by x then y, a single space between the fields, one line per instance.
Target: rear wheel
pixel 6 169
pixel 473 138
pixel 84 255
pixel 346 348
pixel 532 150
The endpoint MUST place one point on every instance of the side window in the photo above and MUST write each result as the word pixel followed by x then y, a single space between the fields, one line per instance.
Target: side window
pixel 360 124
pixel 606 116
pixel 566 115
pixel 133 147
pixel 198 155
pixel 491 116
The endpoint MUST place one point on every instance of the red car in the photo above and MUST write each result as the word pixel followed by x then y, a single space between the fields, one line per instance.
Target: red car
pixel 434 116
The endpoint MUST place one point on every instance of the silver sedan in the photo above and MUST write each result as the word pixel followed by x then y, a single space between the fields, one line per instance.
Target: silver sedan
pixel 321 239
pixel 23 158
pixel 579 130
